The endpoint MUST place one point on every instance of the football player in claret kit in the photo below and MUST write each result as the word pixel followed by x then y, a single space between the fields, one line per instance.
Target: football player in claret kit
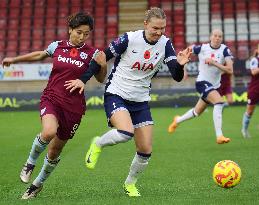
pixel 214 59
pixel 225 89
pixel 138 57
pixel 253 93
pixel 60 110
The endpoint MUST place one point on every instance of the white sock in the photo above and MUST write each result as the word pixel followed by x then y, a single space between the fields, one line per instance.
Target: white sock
pixel 46 170
pixel 38 146
pixel 138 165
pixel 217 118
pixel 113 137
pixel 186 116
pixel 245 121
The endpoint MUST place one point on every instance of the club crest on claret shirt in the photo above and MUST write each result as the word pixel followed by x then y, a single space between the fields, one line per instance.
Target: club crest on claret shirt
pixel 83 55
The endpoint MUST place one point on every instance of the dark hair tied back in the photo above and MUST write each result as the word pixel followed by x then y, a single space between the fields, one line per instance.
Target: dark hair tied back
pixel 80 18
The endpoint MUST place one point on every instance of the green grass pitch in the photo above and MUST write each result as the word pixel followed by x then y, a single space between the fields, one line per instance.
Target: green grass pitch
pixel 179 171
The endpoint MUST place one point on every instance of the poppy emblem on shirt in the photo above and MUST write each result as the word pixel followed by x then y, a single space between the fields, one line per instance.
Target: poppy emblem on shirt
pixel 83 55
pixel 73 52
pixel 212 55
pixel 147 54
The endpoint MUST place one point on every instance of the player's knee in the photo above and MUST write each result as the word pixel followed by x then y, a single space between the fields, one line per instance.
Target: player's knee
pixel 48 134
pixel 125 135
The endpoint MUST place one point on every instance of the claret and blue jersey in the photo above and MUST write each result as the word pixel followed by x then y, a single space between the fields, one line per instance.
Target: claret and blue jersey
pixel 69 62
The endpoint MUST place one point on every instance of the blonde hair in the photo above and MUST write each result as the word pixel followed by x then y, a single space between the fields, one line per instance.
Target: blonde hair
pixel 154 12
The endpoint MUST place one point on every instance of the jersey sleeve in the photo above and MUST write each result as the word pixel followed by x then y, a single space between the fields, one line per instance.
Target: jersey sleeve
pixel 170 60
pixel 119 45
pixel 51 48
pixel 253 63
pixel 227 53
pixel 196 49
pixel 93 69
pixel 169 52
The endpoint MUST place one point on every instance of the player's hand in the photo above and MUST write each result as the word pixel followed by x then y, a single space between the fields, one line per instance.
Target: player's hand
pixel 7 62
pixel 100 58
pixel 74 84
pixel 209 61
pixel 183 57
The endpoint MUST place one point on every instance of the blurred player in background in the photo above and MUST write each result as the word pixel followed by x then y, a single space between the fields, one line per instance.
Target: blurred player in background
pixel 225 89
pixel 253 93
pixel 60 110
pixel 138 57
pixel 214 59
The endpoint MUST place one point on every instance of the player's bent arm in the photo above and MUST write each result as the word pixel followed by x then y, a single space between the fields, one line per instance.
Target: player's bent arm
pixel 227 68
pixel 176 70
pixel 100 59
pixel 93 69
pixel 100 76
pixel 97 70
pixel 255 71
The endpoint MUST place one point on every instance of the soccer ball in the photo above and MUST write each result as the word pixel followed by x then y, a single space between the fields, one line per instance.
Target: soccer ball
pixel 226 173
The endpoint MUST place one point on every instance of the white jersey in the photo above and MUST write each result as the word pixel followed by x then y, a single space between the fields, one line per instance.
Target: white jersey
pixel 207 72
pixel 136 62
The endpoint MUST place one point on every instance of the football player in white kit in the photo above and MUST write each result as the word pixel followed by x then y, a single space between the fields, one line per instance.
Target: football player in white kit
pixel 138 57
pixel 214 59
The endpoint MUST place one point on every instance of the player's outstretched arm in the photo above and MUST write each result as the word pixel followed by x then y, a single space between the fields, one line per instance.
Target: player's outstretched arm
pixel 34 56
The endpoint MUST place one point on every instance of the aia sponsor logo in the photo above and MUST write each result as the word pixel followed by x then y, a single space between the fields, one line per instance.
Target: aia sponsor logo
pixel 144 67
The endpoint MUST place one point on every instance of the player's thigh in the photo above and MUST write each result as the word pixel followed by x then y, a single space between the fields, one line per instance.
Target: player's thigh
pixel 214 97
pixel 55 147
pixel 121 119
pixel 49 126
pixel 143 139
pixel 200 106
pixel 117 113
